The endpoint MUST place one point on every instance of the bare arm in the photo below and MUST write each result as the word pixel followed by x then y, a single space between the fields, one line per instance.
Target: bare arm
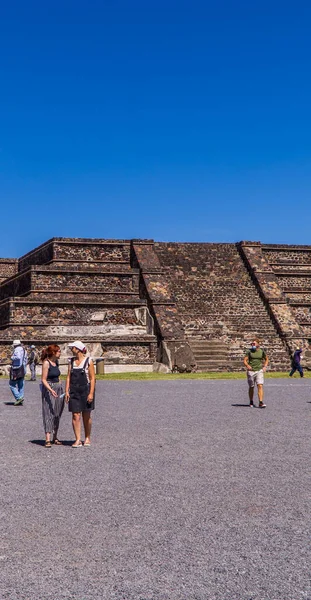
pixel 45 369
pixel 246 363
pixel 90 397
pixel 265 363
pixel 67 384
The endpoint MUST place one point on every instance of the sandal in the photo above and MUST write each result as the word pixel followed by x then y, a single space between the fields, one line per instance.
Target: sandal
pixel 48 444
pixel 77 445
pixel 87 444
pixel 57 442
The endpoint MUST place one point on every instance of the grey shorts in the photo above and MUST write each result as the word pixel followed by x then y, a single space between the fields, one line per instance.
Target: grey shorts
pixel 255 377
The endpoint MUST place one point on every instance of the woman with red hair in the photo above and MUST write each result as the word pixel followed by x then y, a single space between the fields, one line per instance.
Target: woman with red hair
pixel 52 394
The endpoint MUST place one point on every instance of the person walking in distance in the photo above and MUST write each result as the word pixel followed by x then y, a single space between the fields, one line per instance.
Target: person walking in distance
pixel 256 362
pixel 296 365
pixel 80 392
pixel 18 372
pixel 52 394
pixel 32 361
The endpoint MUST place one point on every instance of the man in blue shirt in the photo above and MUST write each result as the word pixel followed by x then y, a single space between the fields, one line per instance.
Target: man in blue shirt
pixel 17 372
pixel 296 366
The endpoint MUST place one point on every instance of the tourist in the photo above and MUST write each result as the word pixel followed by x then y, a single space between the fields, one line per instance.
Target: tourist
pixel 296 366
pixel 32 362
pixel 52 394
pixel 80 392
pixel 256 362
pixel 18 372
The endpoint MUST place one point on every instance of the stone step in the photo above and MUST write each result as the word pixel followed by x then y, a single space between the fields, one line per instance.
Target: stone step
pixel 206 353
pixel 214 361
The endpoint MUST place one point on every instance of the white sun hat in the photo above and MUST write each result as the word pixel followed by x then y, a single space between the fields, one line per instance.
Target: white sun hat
pixel 77 344
pixel 16 342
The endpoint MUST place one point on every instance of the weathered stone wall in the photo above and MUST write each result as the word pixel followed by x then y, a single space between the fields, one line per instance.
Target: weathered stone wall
pixel 299 256
pixel 40 256
pixel 16 286
pixel 99 266
pixel 8 268
pixel 284 269
pixel 88 296
pixel 58 314
pixel 4 313
pixel 76 250
pixel 53 280
pixel 97 250
pixel 298 298
pixel 294 282
pixel 129 353
pixel 302 313
pixel 118 353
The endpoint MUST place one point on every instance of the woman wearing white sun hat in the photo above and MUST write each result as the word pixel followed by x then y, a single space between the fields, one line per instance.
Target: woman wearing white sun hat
pixel 80 391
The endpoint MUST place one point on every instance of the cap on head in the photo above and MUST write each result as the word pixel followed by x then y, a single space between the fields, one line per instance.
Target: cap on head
pixel 16 342
pixel 297 347
pixel 77 344
pixel 32 346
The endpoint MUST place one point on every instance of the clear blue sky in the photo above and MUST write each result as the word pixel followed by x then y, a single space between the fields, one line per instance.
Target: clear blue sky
pixel 186 121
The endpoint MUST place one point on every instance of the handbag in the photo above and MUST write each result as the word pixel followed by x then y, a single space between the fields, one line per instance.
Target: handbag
pixel 18 373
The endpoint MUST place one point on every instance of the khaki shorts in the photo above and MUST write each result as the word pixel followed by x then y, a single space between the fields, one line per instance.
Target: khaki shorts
pixel 255 377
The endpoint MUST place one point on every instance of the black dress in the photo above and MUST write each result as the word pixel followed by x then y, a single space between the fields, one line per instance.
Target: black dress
pixel 79 389
pixel 52 407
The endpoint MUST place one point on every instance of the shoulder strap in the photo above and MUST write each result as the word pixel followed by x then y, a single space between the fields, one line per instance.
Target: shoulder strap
pixel 87 360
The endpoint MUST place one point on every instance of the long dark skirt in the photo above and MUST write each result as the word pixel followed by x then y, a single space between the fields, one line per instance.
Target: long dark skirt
pixel 52 408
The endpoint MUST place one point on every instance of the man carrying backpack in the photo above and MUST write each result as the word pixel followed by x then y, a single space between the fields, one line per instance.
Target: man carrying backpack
pixel 32 361
pixel 256 362
pixel 17 372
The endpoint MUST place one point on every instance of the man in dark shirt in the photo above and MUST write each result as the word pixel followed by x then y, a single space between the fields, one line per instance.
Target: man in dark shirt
pixel 32 361
pixel 296 366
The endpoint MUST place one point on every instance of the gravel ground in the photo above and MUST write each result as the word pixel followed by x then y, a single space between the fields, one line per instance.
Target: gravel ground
pixel 185 494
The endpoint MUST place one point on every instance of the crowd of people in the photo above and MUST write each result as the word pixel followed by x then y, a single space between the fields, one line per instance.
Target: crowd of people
pixel 79 391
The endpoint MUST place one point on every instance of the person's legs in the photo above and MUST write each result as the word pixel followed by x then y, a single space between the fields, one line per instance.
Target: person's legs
pixel 32 368
pixel 21 386
pixel 14 388
pixel 251 395
pixel 260 382
pixel 76 424
pixel 17 389
pixel 58 410
pixel 293 371
pixel 299 368
pixel 260 392
pixel 250 381
pixel 87 422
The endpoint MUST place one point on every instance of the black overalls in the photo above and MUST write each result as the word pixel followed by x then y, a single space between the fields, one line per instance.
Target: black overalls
pixel 79 389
